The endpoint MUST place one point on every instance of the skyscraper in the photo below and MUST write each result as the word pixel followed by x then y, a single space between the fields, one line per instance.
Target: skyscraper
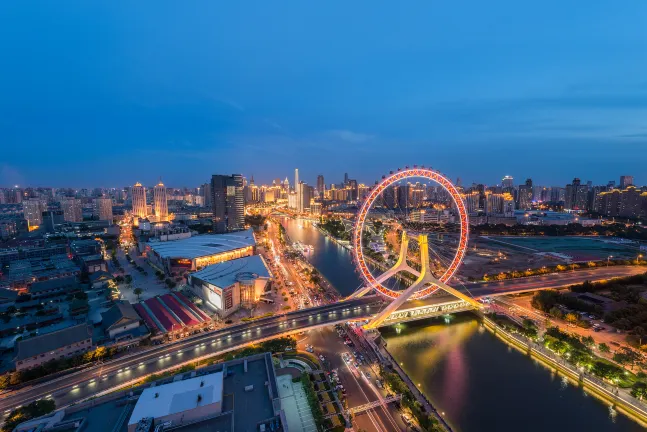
pixel 321 186
pixel 228 202
pixel 160 201
pixel 72 210
pixel 296 178
pixel 139 200
pixel 102 208
pixel 625 181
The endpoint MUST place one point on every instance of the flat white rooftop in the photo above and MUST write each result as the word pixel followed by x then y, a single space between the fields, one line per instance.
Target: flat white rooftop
pixel 226 273
pixel 179 396
pixel 203 245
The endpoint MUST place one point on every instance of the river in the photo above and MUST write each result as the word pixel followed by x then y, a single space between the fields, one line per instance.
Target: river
pixel 478 381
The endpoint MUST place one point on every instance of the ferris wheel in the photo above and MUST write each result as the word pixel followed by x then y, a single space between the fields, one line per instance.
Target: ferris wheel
pixel 437 259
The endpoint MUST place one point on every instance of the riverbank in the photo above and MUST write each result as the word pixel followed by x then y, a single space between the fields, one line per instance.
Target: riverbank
pixel 603 391
pixel 325 233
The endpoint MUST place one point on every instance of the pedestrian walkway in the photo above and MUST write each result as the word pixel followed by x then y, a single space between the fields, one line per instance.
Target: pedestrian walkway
pixel 295 405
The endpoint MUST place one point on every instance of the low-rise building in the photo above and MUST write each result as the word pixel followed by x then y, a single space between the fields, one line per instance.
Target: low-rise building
pixel 68 342
pixel 184 401
pixel 228 286
pixel 120 321
pixel 53 287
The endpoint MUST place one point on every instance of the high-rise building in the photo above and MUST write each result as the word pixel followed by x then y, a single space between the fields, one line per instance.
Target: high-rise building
pixel 160 201
pixel 576 196
pixel 321 186
pixel 72 210
pixel 205 191
pixel 228 202
pixel 139 200
pixel 507 182
pixel 303 197
pixel 629 202
pixel 296 179
pixel 33 209
pixel 524 197
pixel 102 208
pixel 345 178
pixel 626 181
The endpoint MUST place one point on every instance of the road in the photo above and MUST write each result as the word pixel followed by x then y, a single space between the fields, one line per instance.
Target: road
pixel 359 389
pixel 99 378
pixel 96 379
pixel 551 280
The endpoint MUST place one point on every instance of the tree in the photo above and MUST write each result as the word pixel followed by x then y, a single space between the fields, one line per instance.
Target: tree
pixel 571 318
pixel 128 279
pixel 138 291
pixel 556 312
pixel 626 356
pixel 588 341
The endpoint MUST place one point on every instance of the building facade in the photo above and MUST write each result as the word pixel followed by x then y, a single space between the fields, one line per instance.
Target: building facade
pixel 160 202
pixel 72 210
pixel 139 200
pixel 102 208
pixel 227 197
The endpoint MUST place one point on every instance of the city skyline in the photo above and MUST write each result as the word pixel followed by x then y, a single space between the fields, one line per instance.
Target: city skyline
pixel 539 97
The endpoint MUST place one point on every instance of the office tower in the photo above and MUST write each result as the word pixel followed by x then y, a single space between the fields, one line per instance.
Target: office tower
pixel 611 184
pixel 160 201
pixel 228 202
pixel 507 182
pixel 321 186
pixel 577 196
pixel 345 178
pixel 626 181
pixel 139 200
pixel 102 208
pixel 72 210
pixel 524 197
pixel 33 210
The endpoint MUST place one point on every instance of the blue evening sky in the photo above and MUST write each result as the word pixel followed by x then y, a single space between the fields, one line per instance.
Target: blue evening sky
pixel 108 93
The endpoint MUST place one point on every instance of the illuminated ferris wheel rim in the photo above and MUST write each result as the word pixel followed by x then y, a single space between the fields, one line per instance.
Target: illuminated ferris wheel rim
pixel 368 202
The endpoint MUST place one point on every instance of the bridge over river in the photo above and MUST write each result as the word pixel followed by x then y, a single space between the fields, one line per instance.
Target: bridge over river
pixel 114 374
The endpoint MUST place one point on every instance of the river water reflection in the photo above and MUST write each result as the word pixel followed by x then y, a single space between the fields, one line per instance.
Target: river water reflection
pixel 478 381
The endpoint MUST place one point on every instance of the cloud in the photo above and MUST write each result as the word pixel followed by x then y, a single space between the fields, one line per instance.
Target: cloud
pixel 350 136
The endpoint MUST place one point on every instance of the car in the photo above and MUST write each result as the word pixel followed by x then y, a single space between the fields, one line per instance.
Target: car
pixel 367 375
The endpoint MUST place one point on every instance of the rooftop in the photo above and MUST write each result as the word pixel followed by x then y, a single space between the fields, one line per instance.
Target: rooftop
pixel 121 309
pixel 53 284
pixel 227 273
pixel 203 245
pixel 49 342
pixel 160 401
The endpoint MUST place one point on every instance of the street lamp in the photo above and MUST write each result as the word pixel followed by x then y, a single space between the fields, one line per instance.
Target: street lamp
pixel 608 258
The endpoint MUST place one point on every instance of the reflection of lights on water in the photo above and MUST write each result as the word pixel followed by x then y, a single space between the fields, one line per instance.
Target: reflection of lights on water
pixel 564 383
pixel 612 413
